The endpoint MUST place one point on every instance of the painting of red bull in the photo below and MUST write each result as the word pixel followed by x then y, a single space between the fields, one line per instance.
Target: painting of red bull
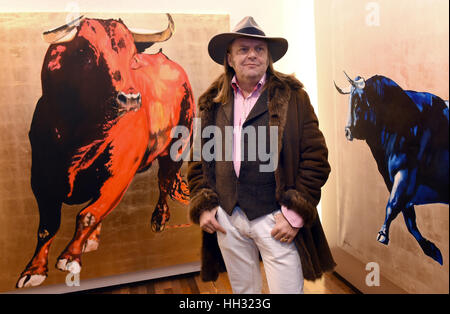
pixel 105 114
pixel 89 186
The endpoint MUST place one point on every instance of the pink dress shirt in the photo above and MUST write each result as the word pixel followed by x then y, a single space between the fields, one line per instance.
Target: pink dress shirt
pixel 242 107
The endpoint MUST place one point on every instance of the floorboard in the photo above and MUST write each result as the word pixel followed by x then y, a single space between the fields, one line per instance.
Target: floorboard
pixel 191 283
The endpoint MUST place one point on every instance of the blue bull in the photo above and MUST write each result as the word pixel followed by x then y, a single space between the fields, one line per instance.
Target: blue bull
pixel 407 133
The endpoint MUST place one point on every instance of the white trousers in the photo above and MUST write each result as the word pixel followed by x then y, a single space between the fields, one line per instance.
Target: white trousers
pixel 240 246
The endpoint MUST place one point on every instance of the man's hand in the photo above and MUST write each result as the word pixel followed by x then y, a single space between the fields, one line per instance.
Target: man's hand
pixel 209 223
pixel 283 231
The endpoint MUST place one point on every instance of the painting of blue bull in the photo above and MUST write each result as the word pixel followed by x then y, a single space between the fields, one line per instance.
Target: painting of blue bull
pixel 407 133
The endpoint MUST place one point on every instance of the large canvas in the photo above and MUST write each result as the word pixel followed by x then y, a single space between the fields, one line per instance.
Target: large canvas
pixel 88 181
pixel 388 137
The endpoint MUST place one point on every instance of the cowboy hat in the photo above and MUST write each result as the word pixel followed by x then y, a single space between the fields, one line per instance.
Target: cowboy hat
pixel 248 28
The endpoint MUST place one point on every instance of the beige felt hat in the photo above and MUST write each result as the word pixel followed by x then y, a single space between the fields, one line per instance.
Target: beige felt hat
pixel 218 45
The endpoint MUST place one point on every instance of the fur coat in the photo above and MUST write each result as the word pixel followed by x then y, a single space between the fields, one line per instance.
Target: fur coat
pixel 302 170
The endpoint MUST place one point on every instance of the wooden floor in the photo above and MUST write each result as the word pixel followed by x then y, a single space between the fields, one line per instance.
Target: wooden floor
pixel 330 283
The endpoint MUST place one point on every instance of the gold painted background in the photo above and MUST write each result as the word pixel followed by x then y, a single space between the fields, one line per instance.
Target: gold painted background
pixel 410 45
pixel 127 243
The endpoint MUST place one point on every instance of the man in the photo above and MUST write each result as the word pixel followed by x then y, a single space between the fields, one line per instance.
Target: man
pixel 246 212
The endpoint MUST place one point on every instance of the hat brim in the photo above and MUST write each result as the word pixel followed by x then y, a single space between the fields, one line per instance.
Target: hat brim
pixel 217 47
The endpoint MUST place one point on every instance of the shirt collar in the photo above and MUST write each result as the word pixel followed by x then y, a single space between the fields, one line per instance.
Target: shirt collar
pixel 235 84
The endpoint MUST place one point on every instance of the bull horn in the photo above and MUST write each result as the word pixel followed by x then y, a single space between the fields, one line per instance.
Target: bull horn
pixel 63 33
pixel 349 79
pixel 340 90
pixel 141 36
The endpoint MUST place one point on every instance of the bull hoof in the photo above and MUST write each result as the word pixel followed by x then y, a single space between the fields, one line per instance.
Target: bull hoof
pixel 157 227
pixel 73 267
pixel 383 238
pixel 159 220
pixel 431 250
pixel 30 281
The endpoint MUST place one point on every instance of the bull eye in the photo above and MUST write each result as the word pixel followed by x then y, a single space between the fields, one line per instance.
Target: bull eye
pixel 80 52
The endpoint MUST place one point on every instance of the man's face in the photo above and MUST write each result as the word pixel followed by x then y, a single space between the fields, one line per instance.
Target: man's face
pixel 249 59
